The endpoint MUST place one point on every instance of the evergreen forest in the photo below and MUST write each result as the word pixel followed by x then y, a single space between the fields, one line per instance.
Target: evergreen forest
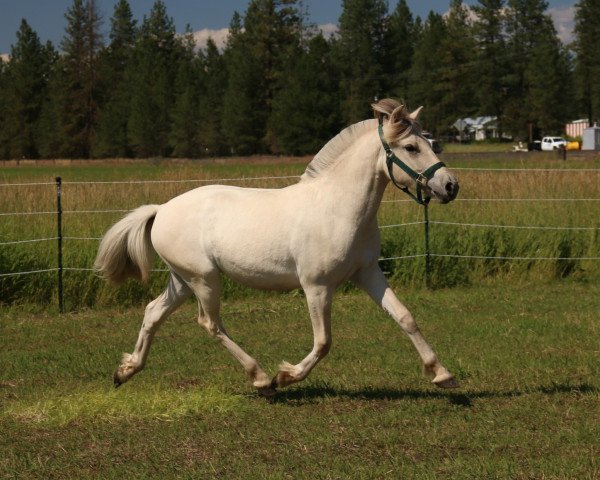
pixel 119 87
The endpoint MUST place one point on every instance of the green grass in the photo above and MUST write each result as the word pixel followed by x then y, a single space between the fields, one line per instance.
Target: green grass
pixel 526 356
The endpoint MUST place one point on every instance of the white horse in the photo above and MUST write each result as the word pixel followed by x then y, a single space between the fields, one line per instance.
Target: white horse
pixel 313 235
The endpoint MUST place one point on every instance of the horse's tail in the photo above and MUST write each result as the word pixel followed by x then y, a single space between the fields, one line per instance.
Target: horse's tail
pixel 126 250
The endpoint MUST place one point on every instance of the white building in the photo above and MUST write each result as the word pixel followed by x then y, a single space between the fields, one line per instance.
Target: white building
pixel 477 128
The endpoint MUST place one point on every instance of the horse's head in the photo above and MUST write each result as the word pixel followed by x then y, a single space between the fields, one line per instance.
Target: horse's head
pixel 409 161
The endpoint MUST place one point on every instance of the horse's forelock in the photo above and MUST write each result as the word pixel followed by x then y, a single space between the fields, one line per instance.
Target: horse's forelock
pixel 400 123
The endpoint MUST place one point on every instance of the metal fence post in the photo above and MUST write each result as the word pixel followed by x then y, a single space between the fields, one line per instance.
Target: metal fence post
pixel 59 237
pixel 427 252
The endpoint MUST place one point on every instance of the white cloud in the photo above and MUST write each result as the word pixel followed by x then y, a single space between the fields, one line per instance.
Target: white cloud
pixel 328 29
pixel 219 37
pixel 564 22
pixel 4 57
pixel 563 18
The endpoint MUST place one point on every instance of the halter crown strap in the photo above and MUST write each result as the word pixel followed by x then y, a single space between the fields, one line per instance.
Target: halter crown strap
pixel 420 179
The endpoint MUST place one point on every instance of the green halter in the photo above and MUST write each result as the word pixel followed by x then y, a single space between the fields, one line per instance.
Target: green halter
pixel 420 179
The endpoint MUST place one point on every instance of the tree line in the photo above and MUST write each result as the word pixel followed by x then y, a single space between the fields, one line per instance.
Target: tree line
pixel 279 86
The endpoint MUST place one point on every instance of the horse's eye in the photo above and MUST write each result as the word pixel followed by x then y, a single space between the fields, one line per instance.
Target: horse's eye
pixel 410 148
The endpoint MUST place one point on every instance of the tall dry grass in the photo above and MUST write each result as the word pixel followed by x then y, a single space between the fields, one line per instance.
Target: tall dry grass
pixel 474 206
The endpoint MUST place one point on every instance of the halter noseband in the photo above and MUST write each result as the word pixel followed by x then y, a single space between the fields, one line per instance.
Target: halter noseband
pixel 420 179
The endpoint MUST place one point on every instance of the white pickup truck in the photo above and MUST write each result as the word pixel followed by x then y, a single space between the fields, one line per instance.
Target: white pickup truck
pixel 553 143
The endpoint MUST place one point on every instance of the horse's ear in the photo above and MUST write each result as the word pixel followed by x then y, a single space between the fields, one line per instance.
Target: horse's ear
pixel 398 114
pixel 414 115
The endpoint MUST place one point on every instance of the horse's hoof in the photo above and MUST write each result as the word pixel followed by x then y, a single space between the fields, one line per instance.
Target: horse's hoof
pixel 117 380
pixel 445 380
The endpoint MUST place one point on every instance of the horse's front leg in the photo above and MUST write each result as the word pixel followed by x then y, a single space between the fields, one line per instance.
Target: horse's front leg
pixel 375 284
pixel 318 299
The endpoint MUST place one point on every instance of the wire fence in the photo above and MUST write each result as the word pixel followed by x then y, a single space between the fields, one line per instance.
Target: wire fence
pixel 427 254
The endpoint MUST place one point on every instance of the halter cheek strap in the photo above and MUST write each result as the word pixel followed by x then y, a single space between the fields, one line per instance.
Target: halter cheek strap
pixel 420 179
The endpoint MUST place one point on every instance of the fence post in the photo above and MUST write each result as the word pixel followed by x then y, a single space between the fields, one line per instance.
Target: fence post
pixel 59 236
pixel 427 253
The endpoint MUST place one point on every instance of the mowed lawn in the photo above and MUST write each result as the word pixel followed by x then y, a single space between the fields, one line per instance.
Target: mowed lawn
pixel 526 355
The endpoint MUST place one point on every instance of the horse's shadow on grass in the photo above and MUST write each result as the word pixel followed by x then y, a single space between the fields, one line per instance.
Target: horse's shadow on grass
pixel 318 393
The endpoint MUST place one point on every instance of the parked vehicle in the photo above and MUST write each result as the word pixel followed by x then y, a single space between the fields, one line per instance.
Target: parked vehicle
pixel 436 145
pixel 553 143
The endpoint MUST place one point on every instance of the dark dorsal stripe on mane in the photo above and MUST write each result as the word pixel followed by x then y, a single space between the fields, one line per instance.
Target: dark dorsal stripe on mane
pixel 399 125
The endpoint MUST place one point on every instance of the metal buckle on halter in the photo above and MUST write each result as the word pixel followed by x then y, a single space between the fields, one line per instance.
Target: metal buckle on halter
pixel 422 179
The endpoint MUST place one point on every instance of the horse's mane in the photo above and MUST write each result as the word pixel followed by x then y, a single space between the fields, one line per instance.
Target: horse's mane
pixel 336 146
pixel 400 124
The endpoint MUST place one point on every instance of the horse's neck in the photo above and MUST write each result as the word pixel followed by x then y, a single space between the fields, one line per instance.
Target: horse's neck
pixel 356 181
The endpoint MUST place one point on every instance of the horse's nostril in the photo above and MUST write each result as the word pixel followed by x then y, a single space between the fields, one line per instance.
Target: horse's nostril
pixel 452 190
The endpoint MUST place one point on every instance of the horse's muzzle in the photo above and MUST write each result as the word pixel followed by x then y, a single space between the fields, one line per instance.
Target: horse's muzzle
pixel 443 187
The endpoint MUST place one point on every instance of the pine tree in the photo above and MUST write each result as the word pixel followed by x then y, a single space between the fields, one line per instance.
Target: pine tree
pixel 255 58
pixel 426 70
pixel 587 60
pixel 79 108
pixel 151 84
pixel 400 39
pixel 49 131
pixel 185 115
pixel 361 56
pixel 210 136
pixel 540 71
pixel 548 77
pixel 4 149
pixel 111 138
pixel 305 113
pixel 456 74
pixel 491 63
pixel 25 85
pixel 244 115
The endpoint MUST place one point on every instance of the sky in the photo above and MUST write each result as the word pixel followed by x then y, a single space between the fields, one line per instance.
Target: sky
pixel 209 17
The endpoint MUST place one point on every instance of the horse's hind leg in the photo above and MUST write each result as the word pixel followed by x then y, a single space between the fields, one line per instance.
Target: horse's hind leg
pixel 318 299
pixel 208 289
pixel 375 284
pixel 156 312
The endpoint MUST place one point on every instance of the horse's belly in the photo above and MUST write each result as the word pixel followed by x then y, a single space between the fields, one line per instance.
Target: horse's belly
pixel 263 280
pixel 257 260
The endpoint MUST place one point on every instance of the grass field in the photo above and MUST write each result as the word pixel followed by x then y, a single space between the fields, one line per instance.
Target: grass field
pixel 520 336
pixel 526 355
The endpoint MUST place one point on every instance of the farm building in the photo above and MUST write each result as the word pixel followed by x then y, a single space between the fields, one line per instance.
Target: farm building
pixel 591 138
pixel 477 128
pixel 576 127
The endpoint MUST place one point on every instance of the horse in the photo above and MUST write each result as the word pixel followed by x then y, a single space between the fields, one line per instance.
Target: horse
pixel 315 235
